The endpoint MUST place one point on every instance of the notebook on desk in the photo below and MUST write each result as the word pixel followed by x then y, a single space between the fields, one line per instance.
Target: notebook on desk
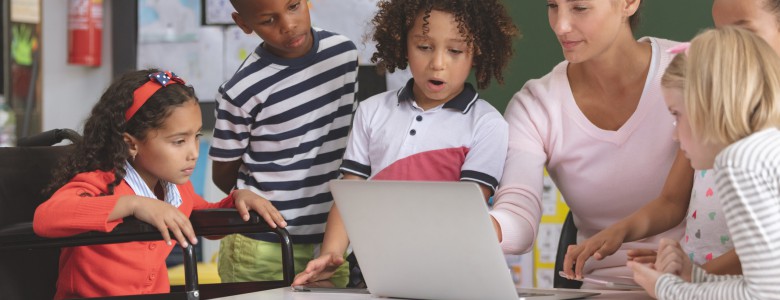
pixel 428 240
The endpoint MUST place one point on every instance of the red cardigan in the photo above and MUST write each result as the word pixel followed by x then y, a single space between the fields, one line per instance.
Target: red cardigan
pixel 112 269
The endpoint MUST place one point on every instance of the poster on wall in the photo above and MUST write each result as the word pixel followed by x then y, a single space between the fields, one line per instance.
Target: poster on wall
pixel 168 21
pixel 189 60
pixel 22 113
pixel 26 11
pixel 238 46
pixel 217 12
pixel 356 27
pixel 170 38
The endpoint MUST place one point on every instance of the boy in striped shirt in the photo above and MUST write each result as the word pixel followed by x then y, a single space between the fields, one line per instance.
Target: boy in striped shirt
pixel 281 130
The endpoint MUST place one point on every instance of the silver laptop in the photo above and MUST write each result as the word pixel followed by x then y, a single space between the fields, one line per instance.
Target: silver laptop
pixel 428 240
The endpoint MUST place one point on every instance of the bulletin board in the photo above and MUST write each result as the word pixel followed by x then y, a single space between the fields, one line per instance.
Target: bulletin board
pixel 192 37
pixel 216 12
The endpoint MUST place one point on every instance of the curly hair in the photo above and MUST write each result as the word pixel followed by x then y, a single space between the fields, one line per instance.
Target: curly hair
pixel 485 24
pixel 103 147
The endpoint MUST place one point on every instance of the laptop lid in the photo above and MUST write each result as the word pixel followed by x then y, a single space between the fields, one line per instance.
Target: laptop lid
pixel 424 240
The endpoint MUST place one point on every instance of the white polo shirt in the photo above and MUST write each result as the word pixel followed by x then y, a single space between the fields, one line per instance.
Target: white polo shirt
pixel 394 139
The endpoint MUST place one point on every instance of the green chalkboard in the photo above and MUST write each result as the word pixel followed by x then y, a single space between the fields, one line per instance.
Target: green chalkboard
pixel 538 51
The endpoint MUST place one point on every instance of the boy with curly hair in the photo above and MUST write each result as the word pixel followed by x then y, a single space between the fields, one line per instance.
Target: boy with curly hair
pixel 435 128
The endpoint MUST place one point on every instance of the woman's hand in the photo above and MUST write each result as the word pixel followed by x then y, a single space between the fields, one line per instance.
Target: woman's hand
pixel 164 217
pixel 644 256
pixel 320 268
pixel 245 200
pixel 599 246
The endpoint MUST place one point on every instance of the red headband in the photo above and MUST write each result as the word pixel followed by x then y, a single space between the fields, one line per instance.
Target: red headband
pixel 156 81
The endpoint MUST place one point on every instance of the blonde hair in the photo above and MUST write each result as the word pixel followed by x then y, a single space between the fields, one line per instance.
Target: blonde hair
pixel 732 85
pixel 674 76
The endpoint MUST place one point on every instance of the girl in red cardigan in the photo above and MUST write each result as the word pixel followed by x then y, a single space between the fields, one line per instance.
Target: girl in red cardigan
pixel 139 150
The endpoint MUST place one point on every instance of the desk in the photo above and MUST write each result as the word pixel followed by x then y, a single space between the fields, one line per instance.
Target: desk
pixel 286 293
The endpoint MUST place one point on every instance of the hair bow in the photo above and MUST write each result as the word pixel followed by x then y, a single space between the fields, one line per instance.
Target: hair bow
pixel 680 48
pixel 165 78
pixel 142 94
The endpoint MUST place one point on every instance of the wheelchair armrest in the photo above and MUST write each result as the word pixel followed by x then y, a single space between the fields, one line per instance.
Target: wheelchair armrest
pixel 204 222
pixel 222 221
pixel 22 236
pixel 48 138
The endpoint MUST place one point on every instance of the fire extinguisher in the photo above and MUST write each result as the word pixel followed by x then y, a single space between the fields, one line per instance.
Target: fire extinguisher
pixel 85 29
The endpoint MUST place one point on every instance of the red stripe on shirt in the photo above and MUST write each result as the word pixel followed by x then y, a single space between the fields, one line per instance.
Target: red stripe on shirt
pixel 434 165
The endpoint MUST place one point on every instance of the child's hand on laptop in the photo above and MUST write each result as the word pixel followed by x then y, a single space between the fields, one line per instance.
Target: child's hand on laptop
pixel 320 268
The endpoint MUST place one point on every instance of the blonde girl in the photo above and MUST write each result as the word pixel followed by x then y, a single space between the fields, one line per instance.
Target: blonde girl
pixel 727 119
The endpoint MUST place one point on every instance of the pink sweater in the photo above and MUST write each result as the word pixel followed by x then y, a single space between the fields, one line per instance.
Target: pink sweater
pixel 603 175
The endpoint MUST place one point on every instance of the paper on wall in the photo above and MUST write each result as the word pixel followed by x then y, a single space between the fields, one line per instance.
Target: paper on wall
pixel 189 60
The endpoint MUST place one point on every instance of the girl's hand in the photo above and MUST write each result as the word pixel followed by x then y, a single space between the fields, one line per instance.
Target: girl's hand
pixel 672 259
pixel 643 256
pixel 246 200
pixel 599 246
pixel 320 268
pixel 165 217
pixel 645 276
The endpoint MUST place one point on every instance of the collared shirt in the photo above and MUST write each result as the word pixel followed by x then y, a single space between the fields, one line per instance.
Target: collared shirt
pixel 394 139
pixel 140 188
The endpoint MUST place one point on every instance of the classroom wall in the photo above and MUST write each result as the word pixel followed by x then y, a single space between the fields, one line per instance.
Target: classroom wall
pixel 538 51
pixel 69 91
pixel 66 103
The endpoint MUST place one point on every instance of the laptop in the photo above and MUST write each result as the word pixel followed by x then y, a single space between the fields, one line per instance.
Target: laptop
pixel 428 240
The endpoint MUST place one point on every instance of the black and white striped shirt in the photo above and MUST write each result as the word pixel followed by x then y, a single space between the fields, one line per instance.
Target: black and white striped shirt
pixel 288 120
pixel 748 181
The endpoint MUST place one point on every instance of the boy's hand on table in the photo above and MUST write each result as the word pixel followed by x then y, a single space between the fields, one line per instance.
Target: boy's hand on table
pixel 246 200
pixel 318 269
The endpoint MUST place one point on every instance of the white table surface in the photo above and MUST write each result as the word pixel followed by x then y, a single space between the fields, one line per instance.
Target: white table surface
pixel 286 293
